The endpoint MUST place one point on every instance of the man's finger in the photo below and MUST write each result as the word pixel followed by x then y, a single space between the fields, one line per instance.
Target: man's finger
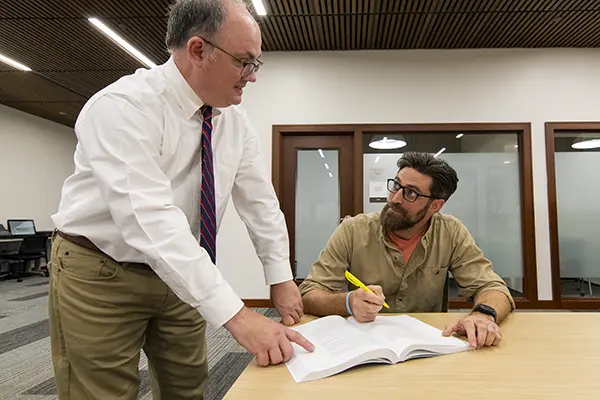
pixel 450 329
pixel 262 358
pixel 287 350
pixel 287 319
pixel 482 331
pixel 275 356
pixel 373 299
pixel 295 315
pixel 300 311
pixel 498 338
pixel 491 335
pixel 297 338
pixel 376 289
pixel 469 328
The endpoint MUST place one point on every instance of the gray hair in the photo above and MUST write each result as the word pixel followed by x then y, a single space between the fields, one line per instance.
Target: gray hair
pixel 188 18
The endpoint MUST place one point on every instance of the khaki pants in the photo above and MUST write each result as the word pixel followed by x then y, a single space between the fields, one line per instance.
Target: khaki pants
pixel 103 313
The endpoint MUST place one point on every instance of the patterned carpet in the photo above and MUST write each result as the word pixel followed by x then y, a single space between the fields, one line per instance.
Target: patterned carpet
pixel 25 363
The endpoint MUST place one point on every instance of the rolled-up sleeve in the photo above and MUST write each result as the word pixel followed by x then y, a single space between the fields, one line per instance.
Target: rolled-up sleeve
pixel 256 203
pixel 471 270
pixel 327 273
pixel 123 152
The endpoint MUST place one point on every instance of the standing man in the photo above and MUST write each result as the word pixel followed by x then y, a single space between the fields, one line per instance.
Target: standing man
pixel 159 154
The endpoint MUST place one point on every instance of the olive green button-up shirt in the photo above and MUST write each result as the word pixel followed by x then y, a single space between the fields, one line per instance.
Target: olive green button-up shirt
pixel 360 245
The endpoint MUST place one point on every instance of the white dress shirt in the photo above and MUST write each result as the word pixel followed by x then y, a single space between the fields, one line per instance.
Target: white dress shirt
pixel 135 192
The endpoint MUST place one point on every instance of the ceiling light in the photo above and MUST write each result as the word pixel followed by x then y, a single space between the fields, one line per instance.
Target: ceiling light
pixel 506 162
pixel 14 63
pixel 516 146
pixel 585 144
pixel 321 153
pixel 326 166
pixel 330 175
pixel 385 143
pixel 459 135
pixel 376 159
pixel 259 7
pixel 440 152
pixel 121 42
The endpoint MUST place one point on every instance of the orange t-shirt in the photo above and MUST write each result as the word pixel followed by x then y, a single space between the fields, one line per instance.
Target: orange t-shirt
pixel 406 246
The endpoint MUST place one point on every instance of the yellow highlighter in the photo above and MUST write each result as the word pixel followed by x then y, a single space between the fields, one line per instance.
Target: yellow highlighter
pixel 354 280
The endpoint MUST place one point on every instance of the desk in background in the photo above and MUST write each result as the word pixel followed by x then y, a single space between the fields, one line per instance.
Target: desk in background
pixel 543 356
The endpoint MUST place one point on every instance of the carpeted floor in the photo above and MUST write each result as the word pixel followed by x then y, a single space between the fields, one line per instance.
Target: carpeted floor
pixel 25 363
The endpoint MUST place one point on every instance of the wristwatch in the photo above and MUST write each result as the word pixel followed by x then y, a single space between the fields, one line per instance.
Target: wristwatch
pixel 485 309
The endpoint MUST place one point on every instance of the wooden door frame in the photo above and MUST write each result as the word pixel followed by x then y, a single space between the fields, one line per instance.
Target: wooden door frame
pixel 523 130
pixel 551 128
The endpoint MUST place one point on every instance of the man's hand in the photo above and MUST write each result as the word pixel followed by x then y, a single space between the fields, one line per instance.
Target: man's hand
pixel 288 302
pixel 365 305
pixel 269 341
pixel 480 330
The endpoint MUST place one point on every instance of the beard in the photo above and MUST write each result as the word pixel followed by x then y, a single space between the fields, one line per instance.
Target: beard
pixel 394 218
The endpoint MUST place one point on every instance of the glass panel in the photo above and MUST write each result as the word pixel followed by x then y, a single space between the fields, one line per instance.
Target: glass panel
pixel 317 205
pixel 488 198
pixel 577 193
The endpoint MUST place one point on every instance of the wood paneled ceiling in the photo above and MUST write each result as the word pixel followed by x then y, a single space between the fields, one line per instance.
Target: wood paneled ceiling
pixel 71 60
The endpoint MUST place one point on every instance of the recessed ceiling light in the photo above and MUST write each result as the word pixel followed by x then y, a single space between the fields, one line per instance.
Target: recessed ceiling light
pixel 506 162
pixel 259 7
pixel 376 159
pixel 326 166
pixel 330 175
pixel 387 144
pixel 459 135
pixel 321 153
pixel 586 144
pixel 14 63
pixel 121 42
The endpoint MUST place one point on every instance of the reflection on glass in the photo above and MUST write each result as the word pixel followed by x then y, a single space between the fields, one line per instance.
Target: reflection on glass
pixel 488 198
pixel 577 163
pixel 317 205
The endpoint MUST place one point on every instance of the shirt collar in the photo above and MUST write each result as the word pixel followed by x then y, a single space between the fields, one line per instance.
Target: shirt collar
pixel 188 100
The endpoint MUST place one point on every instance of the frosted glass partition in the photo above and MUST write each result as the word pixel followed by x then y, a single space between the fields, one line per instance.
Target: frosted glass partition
pixel 487 201
pixel 578 206
pixel 317 205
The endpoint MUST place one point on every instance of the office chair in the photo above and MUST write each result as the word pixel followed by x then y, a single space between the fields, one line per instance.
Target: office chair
pixel 33 248
pixel 4 232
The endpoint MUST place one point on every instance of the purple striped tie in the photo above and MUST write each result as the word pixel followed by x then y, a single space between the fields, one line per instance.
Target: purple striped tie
pixel 208 215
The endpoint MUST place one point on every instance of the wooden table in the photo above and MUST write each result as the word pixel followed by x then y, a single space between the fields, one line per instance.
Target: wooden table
pixel 551 355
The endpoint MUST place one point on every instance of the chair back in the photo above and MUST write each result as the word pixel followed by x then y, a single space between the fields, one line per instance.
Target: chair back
pixel 33 245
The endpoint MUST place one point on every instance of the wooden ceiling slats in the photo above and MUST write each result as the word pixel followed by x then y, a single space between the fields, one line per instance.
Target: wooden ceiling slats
pixel 570 34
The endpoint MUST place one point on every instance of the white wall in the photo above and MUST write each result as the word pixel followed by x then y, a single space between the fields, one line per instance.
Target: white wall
pixel 36 155
pixel 413 87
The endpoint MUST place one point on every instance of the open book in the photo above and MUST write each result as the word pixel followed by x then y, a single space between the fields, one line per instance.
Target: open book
pixel 342 343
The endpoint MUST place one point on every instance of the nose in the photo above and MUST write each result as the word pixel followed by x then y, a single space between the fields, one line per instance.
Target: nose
pixel 251 77
pixel 397 197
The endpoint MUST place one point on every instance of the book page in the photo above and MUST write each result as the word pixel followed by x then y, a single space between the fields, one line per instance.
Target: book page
pixel 403 332
pixel 338 345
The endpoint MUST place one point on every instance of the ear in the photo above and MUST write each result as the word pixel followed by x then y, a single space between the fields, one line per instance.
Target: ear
pixel 437 205
pixel 197 50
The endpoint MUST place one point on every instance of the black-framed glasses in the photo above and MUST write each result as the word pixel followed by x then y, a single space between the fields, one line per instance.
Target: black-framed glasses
pixel 248 67
pixel 409 194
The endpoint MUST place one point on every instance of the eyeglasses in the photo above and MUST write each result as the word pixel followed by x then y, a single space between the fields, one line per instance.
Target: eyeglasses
pixel 248 67
pixel 409 194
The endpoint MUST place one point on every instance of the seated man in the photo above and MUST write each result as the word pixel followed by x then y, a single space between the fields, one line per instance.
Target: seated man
pixel 404 253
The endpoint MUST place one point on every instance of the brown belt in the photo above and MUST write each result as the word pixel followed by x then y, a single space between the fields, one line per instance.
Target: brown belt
pixel 87 243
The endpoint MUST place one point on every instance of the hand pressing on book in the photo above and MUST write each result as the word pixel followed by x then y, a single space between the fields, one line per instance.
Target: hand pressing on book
pixel 365 305
pixel 480 330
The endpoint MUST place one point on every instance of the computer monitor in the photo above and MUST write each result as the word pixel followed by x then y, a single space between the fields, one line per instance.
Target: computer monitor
pixel 21 226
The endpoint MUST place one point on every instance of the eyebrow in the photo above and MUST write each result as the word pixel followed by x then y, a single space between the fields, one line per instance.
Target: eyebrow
pixel 409 186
